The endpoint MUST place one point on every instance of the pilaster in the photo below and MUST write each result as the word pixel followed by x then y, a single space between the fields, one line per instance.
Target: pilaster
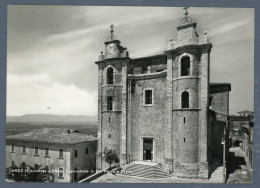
pixel 123 143
pixel 168 139
pixel 204 95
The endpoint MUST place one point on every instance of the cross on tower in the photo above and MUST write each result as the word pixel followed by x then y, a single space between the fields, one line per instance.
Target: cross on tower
pixel 186 18
pixel 112 28
pixel 186 11
pixel 112 36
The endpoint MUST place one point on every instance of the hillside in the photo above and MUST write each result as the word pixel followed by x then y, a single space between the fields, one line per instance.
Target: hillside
pixel 50 118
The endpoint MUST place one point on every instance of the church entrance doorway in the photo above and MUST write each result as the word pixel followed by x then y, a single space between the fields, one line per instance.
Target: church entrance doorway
pixel 147 149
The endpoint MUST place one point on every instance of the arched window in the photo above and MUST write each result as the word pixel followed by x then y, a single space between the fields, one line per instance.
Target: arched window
pixel 185 99
pixel 109 103
pixel 185 66
pixel 110 75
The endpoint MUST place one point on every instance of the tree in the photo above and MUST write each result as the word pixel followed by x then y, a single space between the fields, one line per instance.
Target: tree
pixel 111 157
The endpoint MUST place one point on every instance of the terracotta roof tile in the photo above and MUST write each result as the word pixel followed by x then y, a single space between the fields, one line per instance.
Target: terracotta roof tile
pixel 52 135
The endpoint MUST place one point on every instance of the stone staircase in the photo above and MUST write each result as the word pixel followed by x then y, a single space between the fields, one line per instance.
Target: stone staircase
pixel 216 174
pixel 143 169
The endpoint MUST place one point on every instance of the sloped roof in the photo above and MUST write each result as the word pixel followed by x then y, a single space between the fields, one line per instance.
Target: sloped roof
pixel 52 136
pixel 163 57
pixel 219 87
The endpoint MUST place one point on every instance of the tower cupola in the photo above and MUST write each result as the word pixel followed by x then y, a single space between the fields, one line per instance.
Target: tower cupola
pixel 187 34
pixel 113 49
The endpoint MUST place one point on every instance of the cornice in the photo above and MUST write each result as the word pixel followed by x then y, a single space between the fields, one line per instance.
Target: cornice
pixel 186 109
pixel 147 76
pixel 190 47
pixel 116 60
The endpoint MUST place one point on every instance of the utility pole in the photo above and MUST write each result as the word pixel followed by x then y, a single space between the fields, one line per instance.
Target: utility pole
pixel 224 154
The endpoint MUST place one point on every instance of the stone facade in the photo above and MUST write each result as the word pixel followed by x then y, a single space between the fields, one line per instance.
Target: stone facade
pixel 161 104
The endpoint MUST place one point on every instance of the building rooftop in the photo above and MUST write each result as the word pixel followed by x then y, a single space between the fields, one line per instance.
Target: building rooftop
pixel 246 112
pixel 52 136
pixel 157 56
pixel 219 87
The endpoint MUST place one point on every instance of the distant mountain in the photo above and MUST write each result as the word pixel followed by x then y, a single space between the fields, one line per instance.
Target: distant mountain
pixel 51 118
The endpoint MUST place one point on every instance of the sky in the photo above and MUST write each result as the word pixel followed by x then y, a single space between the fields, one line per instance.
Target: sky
pixel 51 51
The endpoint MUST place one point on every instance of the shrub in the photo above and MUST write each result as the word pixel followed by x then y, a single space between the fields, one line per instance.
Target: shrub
pixel 111 157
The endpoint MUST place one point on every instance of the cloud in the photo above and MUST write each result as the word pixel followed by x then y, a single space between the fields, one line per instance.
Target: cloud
pixel 227 27
pixel 37 97
pixel 61 60
pixel 52 50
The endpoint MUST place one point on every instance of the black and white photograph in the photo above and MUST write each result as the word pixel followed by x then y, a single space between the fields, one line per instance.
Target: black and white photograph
pixel 130 94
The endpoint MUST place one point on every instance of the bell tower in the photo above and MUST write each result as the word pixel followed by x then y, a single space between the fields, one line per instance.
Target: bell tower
pixel 112 100
pixel 188 60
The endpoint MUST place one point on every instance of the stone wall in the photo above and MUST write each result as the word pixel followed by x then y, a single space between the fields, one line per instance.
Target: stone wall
pixel 110 134
pixel 220 102
pixel 148 121
pixel 116 93
pixel 86 162
pixel 186 135
pixel 148 64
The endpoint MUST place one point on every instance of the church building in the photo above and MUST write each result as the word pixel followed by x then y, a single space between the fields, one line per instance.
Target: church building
pixel 162 109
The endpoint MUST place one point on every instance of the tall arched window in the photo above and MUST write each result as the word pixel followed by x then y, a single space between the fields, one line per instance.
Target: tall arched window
pixel 109 103
pixel 110 75
pixel 185 99
pixel 185 66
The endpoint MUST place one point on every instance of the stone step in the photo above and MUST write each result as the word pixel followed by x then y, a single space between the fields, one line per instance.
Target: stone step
pixel 146 170
pixel 149 170
pixel 127 166
pixel 143 174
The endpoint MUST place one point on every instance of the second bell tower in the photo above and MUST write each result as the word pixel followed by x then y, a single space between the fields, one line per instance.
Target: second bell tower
pixel 188 60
